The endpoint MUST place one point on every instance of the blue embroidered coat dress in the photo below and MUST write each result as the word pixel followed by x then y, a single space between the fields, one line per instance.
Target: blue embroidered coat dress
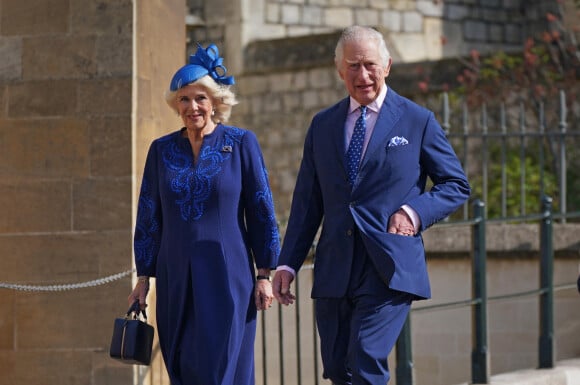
pixel 201 229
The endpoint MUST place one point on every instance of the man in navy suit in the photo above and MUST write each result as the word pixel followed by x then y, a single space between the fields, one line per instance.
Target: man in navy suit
pixel 370 261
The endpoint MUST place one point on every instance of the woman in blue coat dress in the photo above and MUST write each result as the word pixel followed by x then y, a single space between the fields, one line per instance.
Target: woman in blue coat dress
pixel 205 224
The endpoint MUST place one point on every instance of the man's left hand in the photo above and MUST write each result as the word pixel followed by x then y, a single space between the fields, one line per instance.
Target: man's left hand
pixel 400 223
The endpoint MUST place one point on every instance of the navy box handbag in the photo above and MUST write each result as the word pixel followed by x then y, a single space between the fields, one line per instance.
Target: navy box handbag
pixel 132 338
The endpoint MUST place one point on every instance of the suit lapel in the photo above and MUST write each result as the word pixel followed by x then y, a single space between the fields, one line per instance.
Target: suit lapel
pixel 338 134
pixel 389 115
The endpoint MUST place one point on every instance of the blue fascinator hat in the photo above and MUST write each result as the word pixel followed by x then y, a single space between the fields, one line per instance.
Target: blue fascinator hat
pixel 204 62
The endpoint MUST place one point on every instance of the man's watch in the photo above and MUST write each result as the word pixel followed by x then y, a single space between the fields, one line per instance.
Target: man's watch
pixel 266 277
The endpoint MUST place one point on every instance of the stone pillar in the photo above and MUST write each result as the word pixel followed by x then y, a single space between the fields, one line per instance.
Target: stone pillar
pixel 159 52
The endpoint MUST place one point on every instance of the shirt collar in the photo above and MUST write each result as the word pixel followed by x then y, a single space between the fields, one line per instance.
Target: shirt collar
pixel 375 106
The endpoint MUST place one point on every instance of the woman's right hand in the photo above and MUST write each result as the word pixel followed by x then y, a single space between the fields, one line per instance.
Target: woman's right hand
pixel 139 293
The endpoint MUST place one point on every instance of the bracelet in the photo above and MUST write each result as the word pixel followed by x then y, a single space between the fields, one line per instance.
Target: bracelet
pixel 259 277
pixel 143 278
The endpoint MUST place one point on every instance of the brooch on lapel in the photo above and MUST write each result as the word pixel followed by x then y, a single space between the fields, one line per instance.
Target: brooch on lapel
pixel 397 141
pixel 227 149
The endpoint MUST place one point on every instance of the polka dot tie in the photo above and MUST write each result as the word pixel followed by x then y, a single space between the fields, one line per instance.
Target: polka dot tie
pixel 355 147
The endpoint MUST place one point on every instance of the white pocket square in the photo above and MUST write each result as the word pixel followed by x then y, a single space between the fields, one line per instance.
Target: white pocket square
pixel 398 141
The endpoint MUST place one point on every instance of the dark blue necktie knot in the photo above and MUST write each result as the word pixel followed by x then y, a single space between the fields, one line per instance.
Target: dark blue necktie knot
pixel 355 147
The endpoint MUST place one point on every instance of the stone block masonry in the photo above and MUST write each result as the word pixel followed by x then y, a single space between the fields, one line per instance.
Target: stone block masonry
pixel 81 98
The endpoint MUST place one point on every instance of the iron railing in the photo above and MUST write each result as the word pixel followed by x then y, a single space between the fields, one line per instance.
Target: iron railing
pixel 480 367
pixel 480 356
pixel 488 139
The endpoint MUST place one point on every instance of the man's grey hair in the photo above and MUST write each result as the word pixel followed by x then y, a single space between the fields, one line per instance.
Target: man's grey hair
pixel 356 33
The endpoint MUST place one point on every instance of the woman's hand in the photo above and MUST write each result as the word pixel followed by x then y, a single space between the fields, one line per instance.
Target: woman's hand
pixel 263 295
pixel 139 293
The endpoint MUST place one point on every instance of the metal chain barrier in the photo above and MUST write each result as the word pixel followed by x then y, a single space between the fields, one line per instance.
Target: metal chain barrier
pixel 81 285
pixel 70 286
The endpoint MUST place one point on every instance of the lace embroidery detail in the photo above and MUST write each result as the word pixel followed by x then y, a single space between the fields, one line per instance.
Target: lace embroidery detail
pixel 193 184
pixel 265 205
pixel 147 227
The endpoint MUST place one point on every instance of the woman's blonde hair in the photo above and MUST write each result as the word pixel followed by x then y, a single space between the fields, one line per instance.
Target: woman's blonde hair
pixel 221 95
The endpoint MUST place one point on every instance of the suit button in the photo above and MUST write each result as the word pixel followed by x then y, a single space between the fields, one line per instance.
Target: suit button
pixel 349 232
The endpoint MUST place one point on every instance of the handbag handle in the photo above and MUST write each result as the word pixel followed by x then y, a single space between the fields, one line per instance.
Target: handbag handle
pixel 136 309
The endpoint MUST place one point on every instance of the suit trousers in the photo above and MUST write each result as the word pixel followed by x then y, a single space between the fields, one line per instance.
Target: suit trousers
pixel 358 331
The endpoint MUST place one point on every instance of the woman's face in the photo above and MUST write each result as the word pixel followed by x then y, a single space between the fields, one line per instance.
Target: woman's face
pixel 195 107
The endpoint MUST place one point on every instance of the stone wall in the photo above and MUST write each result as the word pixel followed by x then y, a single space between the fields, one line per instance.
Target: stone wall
pixel 416 30
pixel 79 106
pixel 65 185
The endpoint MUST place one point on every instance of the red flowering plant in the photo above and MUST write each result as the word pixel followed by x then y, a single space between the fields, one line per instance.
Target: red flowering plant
pixel 548 63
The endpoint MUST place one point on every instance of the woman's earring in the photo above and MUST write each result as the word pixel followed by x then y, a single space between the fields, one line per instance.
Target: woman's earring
pixel 212 112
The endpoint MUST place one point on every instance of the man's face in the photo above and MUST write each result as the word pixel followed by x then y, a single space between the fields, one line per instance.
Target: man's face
pixel 362 70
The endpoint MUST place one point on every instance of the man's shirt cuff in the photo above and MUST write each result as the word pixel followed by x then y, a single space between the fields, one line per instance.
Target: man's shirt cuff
pixel 414 217
pixel 286 268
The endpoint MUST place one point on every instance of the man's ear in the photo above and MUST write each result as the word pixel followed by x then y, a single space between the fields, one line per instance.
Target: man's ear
pixel 388 67
pixel 340 73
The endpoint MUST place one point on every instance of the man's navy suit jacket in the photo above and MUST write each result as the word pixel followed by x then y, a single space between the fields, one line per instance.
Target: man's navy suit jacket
pixel 389 177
